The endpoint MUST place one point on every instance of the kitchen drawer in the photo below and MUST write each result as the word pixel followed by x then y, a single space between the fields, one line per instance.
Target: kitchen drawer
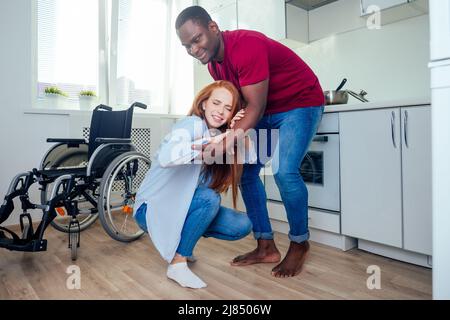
pixel 329 123
pixel 318 219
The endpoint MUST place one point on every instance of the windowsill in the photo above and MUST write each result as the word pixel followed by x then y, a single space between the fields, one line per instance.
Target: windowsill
pixel 47 111
pixel 71 107
pixel 70 111
pixel 61 106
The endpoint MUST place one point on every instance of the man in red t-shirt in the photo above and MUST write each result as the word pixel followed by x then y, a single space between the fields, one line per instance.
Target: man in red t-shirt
pixel 281 93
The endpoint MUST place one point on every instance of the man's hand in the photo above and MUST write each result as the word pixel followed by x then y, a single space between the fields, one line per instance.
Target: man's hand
pixel 237 117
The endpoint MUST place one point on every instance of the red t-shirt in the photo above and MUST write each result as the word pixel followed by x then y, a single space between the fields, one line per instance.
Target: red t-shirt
pixel 251 57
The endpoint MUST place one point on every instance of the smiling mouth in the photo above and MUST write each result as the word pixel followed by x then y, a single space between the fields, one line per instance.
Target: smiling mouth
pixel 203 56
pixel 217 119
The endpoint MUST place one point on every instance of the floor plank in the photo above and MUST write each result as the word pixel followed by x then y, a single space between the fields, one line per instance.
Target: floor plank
pixel 114 270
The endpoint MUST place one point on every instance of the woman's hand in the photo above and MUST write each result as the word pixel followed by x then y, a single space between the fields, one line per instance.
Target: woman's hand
pixel 237 117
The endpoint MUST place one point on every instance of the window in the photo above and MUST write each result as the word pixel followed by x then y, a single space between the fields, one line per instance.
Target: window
pixel 68 45
pixel 143 59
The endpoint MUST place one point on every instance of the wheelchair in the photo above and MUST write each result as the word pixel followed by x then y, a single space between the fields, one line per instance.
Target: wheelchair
pixel 80 181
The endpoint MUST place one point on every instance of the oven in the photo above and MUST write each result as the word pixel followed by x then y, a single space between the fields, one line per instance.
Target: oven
pixel 319 168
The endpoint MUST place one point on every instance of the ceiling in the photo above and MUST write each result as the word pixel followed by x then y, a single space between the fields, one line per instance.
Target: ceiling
pixel 309 4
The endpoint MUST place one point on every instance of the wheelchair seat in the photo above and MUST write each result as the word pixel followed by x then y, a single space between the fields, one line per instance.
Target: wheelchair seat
pixel 54 173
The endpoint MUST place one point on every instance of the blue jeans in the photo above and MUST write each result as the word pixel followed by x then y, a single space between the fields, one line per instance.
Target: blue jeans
pixel 296 129
pixel 207 218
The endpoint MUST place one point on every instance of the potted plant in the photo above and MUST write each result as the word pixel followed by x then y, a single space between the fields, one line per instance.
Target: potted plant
pixel 87 99
pixel 55 97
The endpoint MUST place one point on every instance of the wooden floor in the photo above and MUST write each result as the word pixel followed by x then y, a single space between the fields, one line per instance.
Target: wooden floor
pixel 114 270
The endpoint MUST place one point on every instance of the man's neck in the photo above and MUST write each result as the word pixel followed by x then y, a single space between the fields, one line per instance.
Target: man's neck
pixel 221 52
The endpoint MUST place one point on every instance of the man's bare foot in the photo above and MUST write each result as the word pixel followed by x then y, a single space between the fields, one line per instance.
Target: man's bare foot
pixel 293 262
pixel 265 252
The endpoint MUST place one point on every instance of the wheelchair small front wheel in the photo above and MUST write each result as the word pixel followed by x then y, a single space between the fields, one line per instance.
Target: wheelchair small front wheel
pixel 74 239
pixel 62 220
pixel 118 188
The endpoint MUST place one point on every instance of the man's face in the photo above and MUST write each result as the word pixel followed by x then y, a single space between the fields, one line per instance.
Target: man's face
pixel 200 42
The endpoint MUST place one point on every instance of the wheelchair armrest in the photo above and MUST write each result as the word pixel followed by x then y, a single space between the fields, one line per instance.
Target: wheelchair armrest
pixel 112 140
pixel 68 141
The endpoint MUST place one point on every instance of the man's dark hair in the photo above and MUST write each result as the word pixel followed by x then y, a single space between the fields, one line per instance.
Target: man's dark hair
pixel 195 13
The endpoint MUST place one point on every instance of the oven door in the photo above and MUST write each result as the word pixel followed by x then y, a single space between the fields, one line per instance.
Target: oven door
pixel 320 171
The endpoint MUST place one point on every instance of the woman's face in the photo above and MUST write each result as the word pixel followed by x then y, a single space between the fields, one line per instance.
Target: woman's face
pixel 218 108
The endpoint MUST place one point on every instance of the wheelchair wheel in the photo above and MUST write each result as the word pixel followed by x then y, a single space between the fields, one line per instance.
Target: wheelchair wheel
pixel 118 188
pixel 62 221
pixel 63 157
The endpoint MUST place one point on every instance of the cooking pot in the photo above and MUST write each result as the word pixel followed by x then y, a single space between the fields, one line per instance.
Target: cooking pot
pixel 337 96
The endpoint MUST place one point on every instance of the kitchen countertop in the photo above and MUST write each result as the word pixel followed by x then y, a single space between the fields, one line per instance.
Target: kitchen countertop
pixel 376 105
pixel 329 108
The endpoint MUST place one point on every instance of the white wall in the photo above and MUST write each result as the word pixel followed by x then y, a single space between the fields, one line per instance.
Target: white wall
pixel 22 136
pixel 390 63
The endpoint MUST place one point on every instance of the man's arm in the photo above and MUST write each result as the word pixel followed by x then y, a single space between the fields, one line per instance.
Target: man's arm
pixel 255 96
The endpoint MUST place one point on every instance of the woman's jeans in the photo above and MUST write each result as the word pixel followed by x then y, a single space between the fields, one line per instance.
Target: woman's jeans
pixel 296 129
pixel 207 218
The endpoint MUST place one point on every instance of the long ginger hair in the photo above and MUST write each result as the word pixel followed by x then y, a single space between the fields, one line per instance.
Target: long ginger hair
pixel 227 174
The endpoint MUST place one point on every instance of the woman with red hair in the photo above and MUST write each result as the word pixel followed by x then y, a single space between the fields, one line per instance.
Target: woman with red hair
pixel 179 200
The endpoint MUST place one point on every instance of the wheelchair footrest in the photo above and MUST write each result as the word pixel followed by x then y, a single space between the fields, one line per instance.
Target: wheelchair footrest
pixel 5 210
pixel 23 245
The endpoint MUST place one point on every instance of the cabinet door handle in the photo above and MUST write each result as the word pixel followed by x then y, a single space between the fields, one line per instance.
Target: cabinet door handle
pixel 405 128
pixel 318 138
pixel 393 129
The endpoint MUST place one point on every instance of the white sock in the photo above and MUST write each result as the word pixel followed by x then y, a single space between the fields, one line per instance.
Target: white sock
pixel 180 273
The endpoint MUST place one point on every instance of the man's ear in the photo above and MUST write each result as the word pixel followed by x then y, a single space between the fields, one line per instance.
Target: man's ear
pixel 212 26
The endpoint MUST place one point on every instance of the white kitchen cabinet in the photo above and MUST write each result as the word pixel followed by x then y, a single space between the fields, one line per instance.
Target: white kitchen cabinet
pixel 297 26
pixel 439 30
pixel 213 6
pixel 386 176
pixel 222 11
pixel 370 175
pixel 266 16
pixel 416 174
pixel 382 4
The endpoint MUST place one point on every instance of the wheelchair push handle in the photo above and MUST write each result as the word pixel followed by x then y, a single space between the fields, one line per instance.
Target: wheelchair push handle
pixel 107 108
pixel 102 106
pixel 139 105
